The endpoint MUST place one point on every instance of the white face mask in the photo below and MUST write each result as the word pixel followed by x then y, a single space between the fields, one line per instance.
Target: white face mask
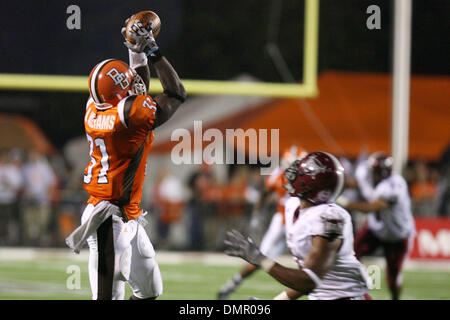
pixel 138 85
pixel 103 106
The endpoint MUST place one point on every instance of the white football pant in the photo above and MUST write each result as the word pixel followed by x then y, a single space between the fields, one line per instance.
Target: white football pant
pixel 121 252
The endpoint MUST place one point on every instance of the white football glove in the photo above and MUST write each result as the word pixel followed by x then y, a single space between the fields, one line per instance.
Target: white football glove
pixel 238 246
pixel 144 40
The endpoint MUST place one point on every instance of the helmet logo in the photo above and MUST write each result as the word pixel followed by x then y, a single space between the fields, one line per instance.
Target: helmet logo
pixel 119 78
pixel 313 166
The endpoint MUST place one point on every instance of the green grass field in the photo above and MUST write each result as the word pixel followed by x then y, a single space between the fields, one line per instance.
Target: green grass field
pixel 46 279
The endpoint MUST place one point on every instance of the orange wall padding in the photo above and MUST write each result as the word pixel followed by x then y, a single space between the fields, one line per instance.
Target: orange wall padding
pixel 20 132
pixel 352 114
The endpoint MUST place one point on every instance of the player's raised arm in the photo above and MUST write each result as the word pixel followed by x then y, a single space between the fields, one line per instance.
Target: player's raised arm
pixel 143 48
pixel 174 92
pixel 138 60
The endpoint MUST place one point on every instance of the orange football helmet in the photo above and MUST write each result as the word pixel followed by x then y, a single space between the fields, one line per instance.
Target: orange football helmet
pixel 112 80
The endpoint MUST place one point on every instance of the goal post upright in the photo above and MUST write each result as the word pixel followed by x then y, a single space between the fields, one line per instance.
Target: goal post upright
pixel 306 89
pixel 401 84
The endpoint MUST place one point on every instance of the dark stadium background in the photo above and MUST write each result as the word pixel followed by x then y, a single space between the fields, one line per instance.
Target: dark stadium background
pixel 204 40
pixel 218 40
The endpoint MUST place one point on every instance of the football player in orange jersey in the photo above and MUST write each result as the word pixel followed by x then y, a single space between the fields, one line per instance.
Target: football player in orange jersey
pixel 119 123
pixel 273 242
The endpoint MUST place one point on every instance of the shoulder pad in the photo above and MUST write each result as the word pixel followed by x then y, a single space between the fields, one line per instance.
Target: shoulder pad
pixel 333 223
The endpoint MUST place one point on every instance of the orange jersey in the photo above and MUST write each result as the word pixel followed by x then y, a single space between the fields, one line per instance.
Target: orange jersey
pixel 274 182
pixel 119 143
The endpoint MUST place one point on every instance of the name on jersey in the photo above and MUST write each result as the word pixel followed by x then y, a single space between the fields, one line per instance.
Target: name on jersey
pixel 100 121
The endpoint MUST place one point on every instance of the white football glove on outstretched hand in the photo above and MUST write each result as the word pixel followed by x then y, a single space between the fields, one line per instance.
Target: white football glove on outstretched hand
pixel 239 246
pixel 144 40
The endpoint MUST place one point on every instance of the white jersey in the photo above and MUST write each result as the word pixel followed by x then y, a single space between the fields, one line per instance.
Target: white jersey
pixel 396 222
pixel 364 179
pixel 347 277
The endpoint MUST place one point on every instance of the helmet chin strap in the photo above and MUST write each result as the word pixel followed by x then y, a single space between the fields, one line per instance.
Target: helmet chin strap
pixel 103 106
pixel 304 196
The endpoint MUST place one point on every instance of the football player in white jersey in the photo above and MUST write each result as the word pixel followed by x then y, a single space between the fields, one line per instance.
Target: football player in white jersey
pixel 273 242
pixel 390 224
pixel 319 236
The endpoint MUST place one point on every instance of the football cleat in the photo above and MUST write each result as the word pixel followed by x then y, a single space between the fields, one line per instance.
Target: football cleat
pixel 229 287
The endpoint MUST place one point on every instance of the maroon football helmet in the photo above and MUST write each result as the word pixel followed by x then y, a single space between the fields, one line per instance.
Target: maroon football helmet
pixel 318 178
pixel 381 165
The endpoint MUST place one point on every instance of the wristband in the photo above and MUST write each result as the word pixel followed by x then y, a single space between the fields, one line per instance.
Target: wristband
pixel 137 59
pixel 282 296
pixel 313 277
pixel 267 264
pixel 154 55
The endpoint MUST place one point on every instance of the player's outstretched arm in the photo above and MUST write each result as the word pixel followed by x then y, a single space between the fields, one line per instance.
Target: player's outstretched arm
pixel 363 206
pixel 317 263
pixel 142 70
pixel 137 57
pixel 174 93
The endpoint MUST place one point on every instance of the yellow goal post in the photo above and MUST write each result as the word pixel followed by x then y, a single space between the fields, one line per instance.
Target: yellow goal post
pixel 306 89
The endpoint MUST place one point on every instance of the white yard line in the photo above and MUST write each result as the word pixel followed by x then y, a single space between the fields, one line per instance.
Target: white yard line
pixel 30 287
pixel 208 258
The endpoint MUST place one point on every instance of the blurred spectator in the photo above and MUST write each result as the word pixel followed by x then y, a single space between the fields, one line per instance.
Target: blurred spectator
pixel 68 213
pixel 67 221
pixel 233 200
pixel 253 195
pixel 169 198
pixel 11 182
pixel 443 197
pixel 423 190
pixel 233 204
pixel 40 185
pixel 17 158
pixel 198 206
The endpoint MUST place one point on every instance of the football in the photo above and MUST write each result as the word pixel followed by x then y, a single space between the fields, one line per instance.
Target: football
pixel 145 17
